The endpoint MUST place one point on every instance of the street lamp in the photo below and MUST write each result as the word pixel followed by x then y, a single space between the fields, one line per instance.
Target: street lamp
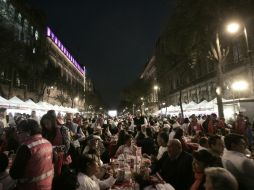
pixel 233 27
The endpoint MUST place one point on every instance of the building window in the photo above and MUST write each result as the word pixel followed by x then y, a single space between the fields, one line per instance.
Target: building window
pixel 19 18
pixel 36 35
pixel 32 30
pixel 11 12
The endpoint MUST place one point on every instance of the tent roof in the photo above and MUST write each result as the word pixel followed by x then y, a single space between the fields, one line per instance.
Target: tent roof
pixel 16 100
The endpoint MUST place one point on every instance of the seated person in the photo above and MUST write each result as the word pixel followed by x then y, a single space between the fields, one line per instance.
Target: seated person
pixel 88 168
pixel 175 166
pixel 127 148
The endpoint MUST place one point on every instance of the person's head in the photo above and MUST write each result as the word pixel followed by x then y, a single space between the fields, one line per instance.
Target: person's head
pixel 127 140
pixel 88 165
pixel 174 148
pixel 138 113
pixel 186 120
pixel 203 159
pixel 219 179
pixel 47 122
pixel 27 128
pixel 93 141
pixel 52 113
pixel 33 113
pixel 4 161
pixel 213 116
pixel 240 116
pixel 204 142
pixel 235 142
pixel 178 133
pixel 69 118
pixel 97 130
pixel 162 139
pixel 121 137
pixel 66 181
pixel 216 144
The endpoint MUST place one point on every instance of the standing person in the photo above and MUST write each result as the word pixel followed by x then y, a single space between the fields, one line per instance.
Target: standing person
pixel 34 116
pixel 59 137
pixel 139 120
pixel 213 125
pixel 194 126
pixel 99 120
pixel 3 117
pixel 33 165
pixel 239 125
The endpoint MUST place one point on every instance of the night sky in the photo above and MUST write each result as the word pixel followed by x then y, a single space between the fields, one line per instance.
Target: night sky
pixel 112 38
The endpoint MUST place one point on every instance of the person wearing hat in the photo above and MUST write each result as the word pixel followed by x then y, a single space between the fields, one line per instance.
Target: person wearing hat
pixel 201 160
pixel 93 149
pixel 33 165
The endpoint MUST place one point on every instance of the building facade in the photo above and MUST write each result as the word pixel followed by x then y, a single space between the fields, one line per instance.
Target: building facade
pixel 42 68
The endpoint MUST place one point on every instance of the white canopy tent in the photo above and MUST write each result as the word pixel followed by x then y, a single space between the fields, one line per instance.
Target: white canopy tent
pixel 4 102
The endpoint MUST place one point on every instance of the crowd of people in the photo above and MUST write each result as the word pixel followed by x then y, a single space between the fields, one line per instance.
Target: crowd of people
pixel 73 152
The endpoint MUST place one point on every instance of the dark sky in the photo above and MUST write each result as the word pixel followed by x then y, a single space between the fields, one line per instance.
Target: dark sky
pixel 112 38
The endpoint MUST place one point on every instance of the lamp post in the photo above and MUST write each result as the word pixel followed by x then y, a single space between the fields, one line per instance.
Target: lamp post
pixel 142 105
pixel 233 28
pixel 156 98
pixel 219 55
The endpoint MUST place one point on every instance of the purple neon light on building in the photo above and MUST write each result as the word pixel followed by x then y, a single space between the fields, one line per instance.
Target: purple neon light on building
pixel 58 43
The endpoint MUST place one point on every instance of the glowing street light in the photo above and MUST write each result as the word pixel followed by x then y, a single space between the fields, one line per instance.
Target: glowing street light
pixel 240 86
pixel 141 98
pixel 155 87
pixel 233 27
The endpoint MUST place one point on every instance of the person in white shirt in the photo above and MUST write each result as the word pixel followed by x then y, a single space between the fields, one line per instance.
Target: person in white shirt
pixel 235 160
pixel 88 167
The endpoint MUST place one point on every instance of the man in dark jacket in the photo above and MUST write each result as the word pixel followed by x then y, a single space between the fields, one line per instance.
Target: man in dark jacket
pixel 175 166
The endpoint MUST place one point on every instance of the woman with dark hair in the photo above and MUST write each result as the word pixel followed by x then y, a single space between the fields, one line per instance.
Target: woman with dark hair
pixel 59 137
pixel 128 147
pixel 88 167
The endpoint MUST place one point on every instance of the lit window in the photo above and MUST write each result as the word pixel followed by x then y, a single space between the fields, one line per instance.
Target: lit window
pixel 19 18
pixel 36 35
